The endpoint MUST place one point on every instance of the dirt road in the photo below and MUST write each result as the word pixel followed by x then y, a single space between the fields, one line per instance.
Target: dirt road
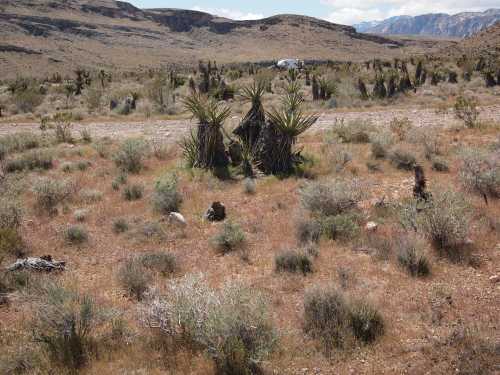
pixel 173 130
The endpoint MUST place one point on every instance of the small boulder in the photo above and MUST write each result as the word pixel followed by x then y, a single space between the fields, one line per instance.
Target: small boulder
pixel 494 279
pixel 176 218
pixel 371 226
pixel 216 212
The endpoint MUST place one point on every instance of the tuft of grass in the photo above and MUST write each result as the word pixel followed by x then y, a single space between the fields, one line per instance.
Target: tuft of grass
pixel 131 154
pixel 11 214
pixel 162 262
pixel 308 231
pixel 480 172
pixel 440 165
pixel 166 196
pixel 50 192
pixel 134 278
pixel 293 262
pixel 76 235
pixel 404 160
pixel 249 186
pixel 366 322
pixel 411 255
pixel 133 192
pixel 120 225
pixel 90 196
pixel 81 215
pixel 11 242
pixel 30 160
pixel 342 227
pixel 230 238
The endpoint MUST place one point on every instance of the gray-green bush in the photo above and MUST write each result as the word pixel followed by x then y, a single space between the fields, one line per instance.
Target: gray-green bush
pixel 166 196
pixel 131 154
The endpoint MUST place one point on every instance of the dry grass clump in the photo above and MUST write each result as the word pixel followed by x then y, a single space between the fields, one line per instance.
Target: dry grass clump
pixel 335 322
pixel 67 325
pixel 90 195
pixel 162 262
pixel 446 222
pixel 11 214
pixel 133 192
pixel 232 325
pixel 293 261
pixel 131 154
pixel 134 278
pixel 342 227
pixel 18 142
pixel 229 238
pixel 467 111
pixel 166 196
pixel 411 256
pixel 76 235
pixel 404 160
pixel 49 193
pixel 11 242
pixel 308 231
pixel 353 132
pixel 331 198
pixel 480 172
pixel 30 160
pixel 120 225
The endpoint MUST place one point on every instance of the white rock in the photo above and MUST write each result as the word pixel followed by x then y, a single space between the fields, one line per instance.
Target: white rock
pixel 177 218
pixel 495 279
pixel 371 226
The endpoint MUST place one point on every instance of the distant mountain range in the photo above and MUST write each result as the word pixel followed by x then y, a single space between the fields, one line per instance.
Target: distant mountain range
pixel 434 24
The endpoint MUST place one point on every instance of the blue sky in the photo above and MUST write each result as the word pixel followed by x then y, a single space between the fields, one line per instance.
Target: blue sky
pixel 340 11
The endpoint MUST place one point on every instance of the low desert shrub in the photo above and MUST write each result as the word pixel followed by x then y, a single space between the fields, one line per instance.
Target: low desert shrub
pixel 80 215
pixel 446 222
pixel 67 324
pixel 232 325
pixel 353 131
pixel 50 192
pixel 249 186
pixel 162 262
pixel 133 192
pixel 230 238
pixel 86 136
pixel 480 172
pixel 401 127
pixel 440 165
pixel 131 154
pixel 11 214
pixel 11 242
pixel 76 235
pixel 366 322
pixel 293 262
pixel 402 159
pixel 411 257
pixel 90 196
pixel 26 101
pixel 467 111
pixel 308 230
pixel 342 227
pixel 30 160
pixel 331 198
pixel 19 142
pixel 83 165
pixel 134 278
pixel 120 225
pixel 166 196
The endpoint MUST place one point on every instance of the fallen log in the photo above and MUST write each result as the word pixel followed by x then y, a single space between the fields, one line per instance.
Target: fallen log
pixel 45 264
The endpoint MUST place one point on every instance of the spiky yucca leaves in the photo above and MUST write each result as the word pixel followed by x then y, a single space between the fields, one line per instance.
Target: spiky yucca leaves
pixel 276 155
pixel 210 150
pixel 249 129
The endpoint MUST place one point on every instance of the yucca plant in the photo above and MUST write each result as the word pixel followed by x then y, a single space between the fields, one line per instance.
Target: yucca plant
pixel 210 149
pixel 249 129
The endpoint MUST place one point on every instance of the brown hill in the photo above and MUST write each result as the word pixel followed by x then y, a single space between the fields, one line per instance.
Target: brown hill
pixel 42 36
pixel 485 43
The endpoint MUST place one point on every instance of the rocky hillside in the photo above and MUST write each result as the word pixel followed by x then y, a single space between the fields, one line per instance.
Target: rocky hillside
pixel 485 43
pixel 40 36
pixel 458 25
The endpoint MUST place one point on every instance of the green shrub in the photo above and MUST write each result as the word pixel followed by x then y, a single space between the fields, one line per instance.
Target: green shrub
pixel 120 225
pixel 76 235
pixel 26 101
pixel 403 160
pixel 379 150
pixel 232 325
pixel 131 154
pixel 440 165
pixel 166 197
pixel 446 222
pixel 67 167
pixel 411 256
pixel 10 214
pixel 50 192
pixel 308 231
pixel 83 165
pixel 134 278
pixel 293 261
pixel 19 142
pixel 133 192
pixel 326 317
pixel 66 324
pixel 11 242
pixel 164 263
pixel 467 111
pixel 480 172
pixel 380 144
pixel 342 227
pixel 30 160
pixel 229 238
pixel 330 199
pixel 366 322
pixel 90 196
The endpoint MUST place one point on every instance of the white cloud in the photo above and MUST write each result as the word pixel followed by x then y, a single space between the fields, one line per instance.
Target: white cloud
pixel 353 11
pixel 230 13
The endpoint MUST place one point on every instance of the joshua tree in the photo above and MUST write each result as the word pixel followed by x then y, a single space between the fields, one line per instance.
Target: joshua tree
pixel 418 73
pixel 249 129
pixel 452 77
pixel 362 89
pixel 275 149
pixel 82 79
pixel 315 88
pixel 209 144
pixel 391 86
pixel 489 79
pixel 379 90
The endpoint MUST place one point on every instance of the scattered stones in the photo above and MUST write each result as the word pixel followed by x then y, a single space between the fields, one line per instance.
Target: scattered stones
pixel 176 218
pixel 494 279
pixel 44 263
pixel 216 212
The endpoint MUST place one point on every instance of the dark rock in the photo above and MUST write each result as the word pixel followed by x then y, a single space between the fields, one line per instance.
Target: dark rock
pixel 216 212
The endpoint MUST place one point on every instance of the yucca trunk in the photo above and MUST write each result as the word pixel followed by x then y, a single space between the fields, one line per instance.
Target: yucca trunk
pixel 211 150
pixel 274 151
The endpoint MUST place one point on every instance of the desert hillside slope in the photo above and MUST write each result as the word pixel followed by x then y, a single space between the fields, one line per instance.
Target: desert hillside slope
pixel 40 36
